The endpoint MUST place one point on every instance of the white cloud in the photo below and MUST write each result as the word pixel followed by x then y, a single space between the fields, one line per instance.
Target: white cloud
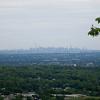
pixel 17 3
pixel 51 22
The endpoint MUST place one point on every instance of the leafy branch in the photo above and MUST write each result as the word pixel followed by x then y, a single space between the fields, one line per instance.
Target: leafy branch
pixel 95 31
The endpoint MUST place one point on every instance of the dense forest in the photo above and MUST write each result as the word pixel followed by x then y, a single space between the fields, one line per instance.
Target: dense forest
pixel 50 79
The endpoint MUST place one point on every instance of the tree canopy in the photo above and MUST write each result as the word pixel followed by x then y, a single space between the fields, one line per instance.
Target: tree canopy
pixel 95 31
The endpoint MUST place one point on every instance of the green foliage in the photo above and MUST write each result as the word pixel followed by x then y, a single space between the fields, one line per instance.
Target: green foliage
pixel 98 20
pixel 29 98
pixel 18 98
pixel 92 98
pixel 50 79
pixel 95 31
pixel 85 98
pixel 1 98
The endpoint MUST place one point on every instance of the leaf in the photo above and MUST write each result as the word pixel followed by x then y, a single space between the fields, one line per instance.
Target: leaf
pixel 94 31
pixel 98 20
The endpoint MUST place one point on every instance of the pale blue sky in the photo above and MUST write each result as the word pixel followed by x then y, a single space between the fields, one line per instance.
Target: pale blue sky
pixel 30 23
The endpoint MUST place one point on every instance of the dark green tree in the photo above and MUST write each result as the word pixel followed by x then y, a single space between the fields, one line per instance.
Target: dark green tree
pixel 95 31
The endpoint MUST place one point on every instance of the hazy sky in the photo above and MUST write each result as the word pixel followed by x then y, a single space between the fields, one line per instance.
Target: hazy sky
pixel 34 23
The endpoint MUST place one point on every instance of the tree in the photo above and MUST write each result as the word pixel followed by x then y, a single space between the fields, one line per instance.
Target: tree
pixel 95 31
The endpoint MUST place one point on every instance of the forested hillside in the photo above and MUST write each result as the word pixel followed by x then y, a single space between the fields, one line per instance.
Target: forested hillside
pixel 50 79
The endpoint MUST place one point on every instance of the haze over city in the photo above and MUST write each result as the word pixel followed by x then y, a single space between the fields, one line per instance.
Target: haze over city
pixel 48 23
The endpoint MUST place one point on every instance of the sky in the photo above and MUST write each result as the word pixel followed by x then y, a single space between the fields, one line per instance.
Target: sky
pixel 48 23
